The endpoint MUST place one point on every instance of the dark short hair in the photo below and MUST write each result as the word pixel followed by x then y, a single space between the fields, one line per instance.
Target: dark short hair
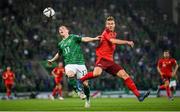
pixel 65 26
pixel 166 50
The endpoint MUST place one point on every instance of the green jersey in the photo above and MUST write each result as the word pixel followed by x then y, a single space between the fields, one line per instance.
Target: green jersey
pixel 71 50
pixel 173 78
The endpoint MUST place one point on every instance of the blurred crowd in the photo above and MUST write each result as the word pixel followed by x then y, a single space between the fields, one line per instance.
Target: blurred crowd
pixel 26 35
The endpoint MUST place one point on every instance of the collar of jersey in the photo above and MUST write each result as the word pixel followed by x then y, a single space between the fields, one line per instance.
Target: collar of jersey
pixel 66 38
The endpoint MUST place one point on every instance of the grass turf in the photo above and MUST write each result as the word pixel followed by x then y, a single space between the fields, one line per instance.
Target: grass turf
pixel 99 104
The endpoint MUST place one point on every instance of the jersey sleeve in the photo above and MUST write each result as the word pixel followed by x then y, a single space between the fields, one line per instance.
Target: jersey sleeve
pixel 159 64
pixel 13 74
pixel 107 36
pixel 54 70
pixel 173 61
pixel 59 49
pixel 4 75
pixel 104 35
pixel 77 38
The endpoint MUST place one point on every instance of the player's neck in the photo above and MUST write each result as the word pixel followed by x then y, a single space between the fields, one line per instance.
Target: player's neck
pixel 109 30
pixel 66 36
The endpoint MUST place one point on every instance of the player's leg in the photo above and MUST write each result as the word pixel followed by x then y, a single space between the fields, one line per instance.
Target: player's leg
pixel 82 70
pixel 173 90
pixel 60 91
pixel 70 72
pixel 121 73
pixel 172 86
pixel 100 65
pixel 161 87
pixel 55 89
pixel 90 75
pixel 8 90
pixel 168 90
pixel 128 81
pixel 87 93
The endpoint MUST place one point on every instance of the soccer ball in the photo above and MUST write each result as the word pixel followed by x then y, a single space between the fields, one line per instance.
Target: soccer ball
pixel 49 12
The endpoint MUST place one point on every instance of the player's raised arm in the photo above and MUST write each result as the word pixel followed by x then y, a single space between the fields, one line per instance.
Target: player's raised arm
pixel 54 58
pixel 122 42
pixel 90 39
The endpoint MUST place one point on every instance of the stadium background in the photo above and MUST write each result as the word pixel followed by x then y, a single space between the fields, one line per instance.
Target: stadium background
pixel 28 38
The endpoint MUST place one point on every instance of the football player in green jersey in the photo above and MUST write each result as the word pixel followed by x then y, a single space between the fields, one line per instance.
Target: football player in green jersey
pixel 69 48
pixel 173 84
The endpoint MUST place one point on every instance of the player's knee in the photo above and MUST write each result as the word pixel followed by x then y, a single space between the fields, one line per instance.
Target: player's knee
pixel 96 73
pixel 85 83
pixel 70 74
pixel 166 83
pixel 122 74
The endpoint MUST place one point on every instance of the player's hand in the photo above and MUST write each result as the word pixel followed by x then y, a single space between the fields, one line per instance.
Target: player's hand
pixel 98 37
pixel 50 62
pixel 173 74
pixel 131 43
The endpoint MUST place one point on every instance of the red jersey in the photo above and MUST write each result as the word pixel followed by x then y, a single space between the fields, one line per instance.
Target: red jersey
pixel 166 65
pixel 58 72
pixel 8 77
pixel 106 48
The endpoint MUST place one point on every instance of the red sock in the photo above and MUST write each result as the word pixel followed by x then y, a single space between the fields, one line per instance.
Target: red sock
pixel 168 91
pixel 89 75
pixel 54 91
pixel 8 93
pixel 60 92
pixel 162 87
pixel 130 84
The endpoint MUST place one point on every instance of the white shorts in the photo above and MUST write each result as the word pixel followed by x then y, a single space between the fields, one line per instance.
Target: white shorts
pixel 172 83
pixel 79 70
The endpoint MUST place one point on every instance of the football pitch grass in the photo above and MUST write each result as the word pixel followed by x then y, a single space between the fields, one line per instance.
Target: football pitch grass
pixel 99 104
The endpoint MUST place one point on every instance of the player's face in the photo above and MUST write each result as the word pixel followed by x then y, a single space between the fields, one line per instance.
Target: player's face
pixel 110 25
pixel 63 31
pixel 166 54
pixel 60 65
pixel 8 68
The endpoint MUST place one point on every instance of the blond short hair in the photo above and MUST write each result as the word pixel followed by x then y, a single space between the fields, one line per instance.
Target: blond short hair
pixel 110 18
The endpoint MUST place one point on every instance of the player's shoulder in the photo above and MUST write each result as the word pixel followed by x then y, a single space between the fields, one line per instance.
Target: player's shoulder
pixel 74 35
pixel 161 59
pixel 55 68
pixel 105 31
pixel 173 59
pixel 60 42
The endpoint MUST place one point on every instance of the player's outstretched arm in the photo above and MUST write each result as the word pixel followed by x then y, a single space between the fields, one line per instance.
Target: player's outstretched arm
pixel 90 39
pixel 122 42
pixel 53 59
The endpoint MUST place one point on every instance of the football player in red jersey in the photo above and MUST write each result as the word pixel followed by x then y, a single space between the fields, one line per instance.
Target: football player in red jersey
pixel 58 72
pixel 104 60
pixel 8 77
pixel 167 68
